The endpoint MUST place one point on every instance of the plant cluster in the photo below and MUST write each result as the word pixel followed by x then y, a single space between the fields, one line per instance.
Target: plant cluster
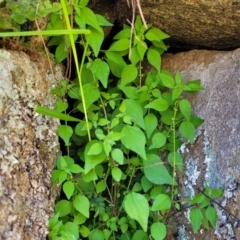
pixel 118 175
pixel 14 13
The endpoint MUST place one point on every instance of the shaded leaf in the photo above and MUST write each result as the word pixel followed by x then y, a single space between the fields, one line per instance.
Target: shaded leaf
pixel 187 130
pixel 101 70
pixel 196 219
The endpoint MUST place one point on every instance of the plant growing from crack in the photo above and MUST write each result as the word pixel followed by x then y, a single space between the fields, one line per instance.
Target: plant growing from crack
pixel 119 173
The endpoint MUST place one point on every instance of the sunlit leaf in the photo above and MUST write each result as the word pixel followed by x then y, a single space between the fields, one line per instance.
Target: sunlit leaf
pixel 137 208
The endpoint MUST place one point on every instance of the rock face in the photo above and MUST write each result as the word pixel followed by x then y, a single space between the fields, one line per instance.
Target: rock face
pixel 191 24
pixel 196 24
pixel 28 145
pixel 214 157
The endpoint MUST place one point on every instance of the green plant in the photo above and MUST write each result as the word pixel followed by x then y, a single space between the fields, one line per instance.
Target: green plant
pixel 115 182
pixel 119 173
pixel 205 214
pixel 15 13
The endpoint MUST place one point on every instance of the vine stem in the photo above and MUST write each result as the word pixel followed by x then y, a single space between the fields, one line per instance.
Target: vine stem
pixel 79 70
pixel 174 150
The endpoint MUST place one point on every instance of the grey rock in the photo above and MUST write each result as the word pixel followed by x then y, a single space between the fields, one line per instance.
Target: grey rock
pixel 214 157
pixel 28 145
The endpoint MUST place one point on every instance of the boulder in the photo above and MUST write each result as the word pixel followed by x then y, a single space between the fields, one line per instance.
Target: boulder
pixel 28 145
pixel 214 157
pixel 191 24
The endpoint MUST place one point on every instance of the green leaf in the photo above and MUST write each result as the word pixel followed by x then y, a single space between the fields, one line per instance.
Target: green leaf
pixel 81 204
pixel 178 78
pixel 68 189
pixel 196 219
pixel 65 132
pixel 154 58
pixel 161 202
pixel 103 122
pixel 84 231
pixel 130 92
pixel 75 168
pixel 158 231
pixel 101 186
pixel 134 110
pixel 140 234
pixel 116 174
pixel 158 140
pixel 117 155
pixel 196 121
pixel 197 199
pixel 156 34
pixel 61 105
pixel 134 139
pixel 81 128
pixel 92 161
pixel 211 215
pixel 90 18
pixel 101 70
pixel 61 52
pixel 96 234
pixel 185 108
pixel 156 172
pixel 187 130
pixel 176 93
pixel 178 161
pixel 95 39
pixel 123 34
pixel 95 149
pixel 63 207
pixel 146 184
pixel 83 3
pixel 167 80
pixel 62 177
pixel 137 187
pixel 158 104
pixel 91 94
pixel 55 114
pixel 129 74
pixel 151 123
pixel 72 228
pixel 135 56
pixel 102 21
pixel 137 208
pixel 115 62
pixel 141 48
pixel 91 176
pixel 120 45
pixel 217 192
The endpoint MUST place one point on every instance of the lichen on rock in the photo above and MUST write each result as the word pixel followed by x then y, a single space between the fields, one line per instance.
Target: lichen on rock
pixel 28 145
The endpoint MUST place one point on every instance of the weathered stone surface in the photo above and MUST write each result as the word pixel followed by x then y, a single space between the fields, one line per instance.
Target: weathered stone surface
pixel 214 157
pixel 191 24
pixel 28 145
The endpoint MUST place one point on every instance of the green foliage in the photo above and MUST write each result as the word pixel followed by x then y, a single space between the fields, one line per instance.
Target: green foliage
pixel 205 214
pixel 15 13
pixel 119 174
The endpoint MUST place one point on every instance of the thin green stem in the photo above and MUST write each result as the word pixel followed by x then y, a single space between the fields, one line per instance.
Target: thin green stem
pixel 79 70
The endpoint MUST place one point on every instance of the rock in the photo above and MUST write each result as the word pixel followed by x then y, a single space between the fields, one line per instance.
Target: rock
pixel 200 24
pixel 28 145
pixel 214 157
